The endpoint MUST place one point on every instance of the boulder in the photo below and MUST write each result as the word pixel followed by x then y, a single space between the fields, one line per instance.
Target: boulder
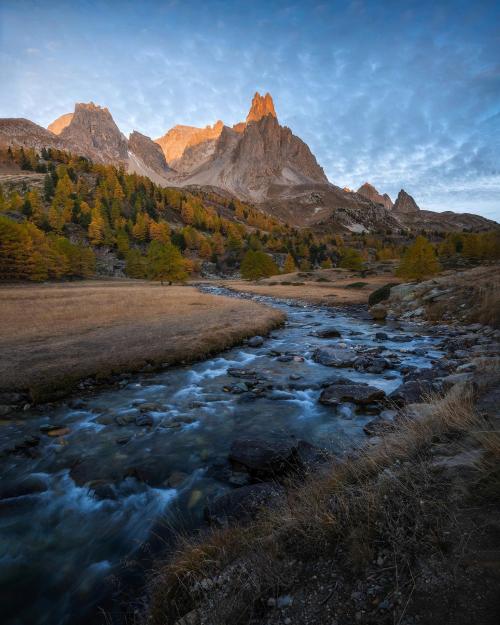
pixel 241 504
pixel 412 392
pixel 328 333
pixel 378 312
pixel 360 394
pixel 335 356
pixel 263 458
pixel 255 341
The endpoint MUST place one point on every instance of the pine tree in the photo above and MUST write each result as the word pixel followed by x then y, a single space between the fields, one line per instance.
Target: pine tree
pixel 165 263
pixel 351 259
pixel 135 264
pixel 96 228
pixel 256 265
pixel 289 266
pixel 419 261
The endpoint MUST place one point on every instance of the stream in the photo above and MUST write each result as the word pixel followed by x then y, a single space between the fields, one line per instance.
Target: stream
pixel 93 488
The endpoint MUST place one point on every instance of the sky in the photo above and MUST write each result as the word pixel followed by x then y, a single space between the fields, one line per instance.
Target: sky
pixel 401 94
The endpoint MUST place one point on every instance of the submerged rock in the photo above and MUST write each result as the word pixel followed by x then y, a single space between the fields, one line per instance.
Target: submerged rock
pixel 359 394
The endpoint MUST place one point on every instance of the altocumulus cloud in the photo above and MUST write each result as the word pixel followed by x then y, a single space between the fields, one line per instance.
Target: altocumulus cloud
pixel 403 94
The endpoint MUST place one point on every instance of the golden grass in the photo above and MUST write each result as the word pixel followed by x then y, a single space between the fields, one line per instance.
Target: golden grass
pixel 332 289
pixel 389 496
pixel 53 335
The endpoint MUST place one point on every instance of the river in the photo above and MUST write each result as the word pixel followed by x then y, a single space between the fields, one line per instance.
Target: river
pixel 83 513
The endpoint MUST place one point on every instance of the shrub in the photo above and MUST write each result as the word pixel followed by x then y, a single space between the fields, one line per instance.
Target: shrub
pixel 381 294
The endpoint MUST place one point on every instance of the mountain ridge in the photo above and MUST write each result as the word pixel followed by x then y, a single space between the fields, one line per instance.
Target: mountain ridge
pixel 257 161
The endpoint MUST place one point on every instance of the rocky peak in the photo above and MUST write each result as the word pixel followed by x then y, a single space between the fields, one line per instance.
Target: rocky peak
pixel 370 192
pixel 93 132
pixel 148 151
pixel 59 124
pixel 261 106
pixel 405 203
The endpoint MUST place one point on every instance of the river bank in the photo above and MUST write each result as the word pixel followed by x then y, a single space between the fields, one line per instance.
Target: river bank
pixel 54 336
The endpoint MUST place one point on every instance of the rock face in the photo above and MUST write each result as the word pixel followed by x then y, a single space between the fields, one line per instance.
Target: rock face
pixel 93 130
pixel 405 203
pixel 23 132
pixel 261 106
pixel 148 151
pixel 252 157
pixel 369 191
pixel 187 147
pixel 59 124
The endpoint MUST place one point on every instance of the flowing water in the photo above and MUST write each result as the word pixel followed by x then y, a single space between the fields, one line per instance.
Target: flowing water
pixel 82 513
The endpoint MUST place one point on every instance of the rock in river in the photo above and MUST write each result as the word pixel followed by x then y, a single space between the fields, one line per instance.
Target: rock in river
pixel 335 356
pixel 356 393
pixel 255 341
pixel 264 458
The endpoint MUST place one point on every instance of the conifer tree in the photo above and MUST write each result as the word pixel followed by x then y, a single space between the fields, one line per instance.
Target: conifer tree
pixel 257 264
pixel 289 266
pixel 96 228
pixel 165 263
pixel 419 261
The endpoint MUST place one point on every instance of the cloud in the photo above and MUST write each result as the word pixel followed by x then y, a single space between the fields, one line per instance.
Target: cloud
pixel 405 97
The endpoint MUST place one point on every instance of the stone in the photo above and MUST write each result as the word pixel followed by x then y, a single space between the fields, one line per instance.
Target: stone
pixel 177 479
pixel 58 431
pixel 264 458
pixel 144 420
pixel 378 312
pixel 381 336
pixel 125 419
pixel 241 373
pixel 378 426
pixel 328 333
pixel 241 504
pixel 255 341
pixel 334 356
pixel 412 391
pixel 359 394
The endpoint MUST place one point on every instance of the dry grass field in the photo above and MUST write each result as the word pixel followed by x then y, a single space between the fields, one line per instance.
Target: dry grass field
pixel 330 287
pixel 53 335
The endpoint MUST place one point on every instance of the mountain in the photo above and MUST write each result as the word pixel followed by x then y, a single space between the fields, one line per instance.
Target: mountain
pixel 257 160
pixel 261 106
pixel 93 130
pixel 369 191
pixel 252 156
pixel 148 152
pixel 405 204
pixel 25 133
pixel 59 124
pixel 187 147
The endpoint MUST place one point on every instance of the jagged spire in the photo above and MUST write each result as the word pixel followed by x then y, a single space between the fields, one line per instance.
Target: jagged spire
pixel 261 106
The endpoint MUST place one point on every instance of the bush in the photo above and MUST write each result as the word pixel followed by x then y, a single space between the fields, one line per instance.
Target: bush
pixel 381 294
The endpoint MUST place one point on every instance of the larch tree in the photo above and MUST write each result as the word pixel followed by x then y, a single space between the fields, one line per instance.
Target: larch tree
pixel 419 261
pixel 165 263
pixel 289 266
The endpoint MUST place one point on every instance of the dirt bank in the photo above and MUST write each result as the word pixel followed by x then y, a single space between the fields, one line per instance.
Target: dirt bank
pixel 53 335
